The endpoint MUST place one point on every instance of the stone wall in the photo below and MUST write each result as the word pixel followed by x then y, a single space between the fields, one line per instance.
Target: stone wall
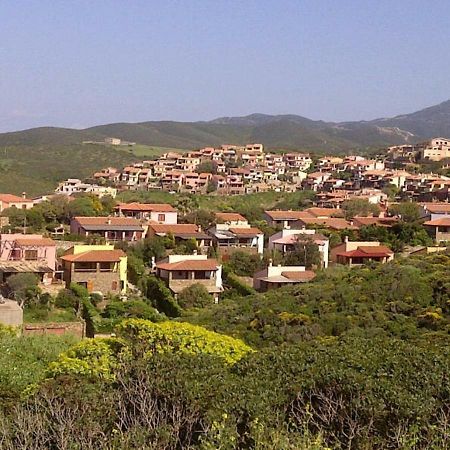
pixel 75 328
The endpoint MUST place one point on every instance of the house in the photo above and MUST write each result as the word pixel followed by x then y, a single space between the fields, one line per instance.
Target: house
pixel 181 271
pixel 283 219
pixel 435 149
pixel 332 223
pixel 99 268
pixel 111 228
pixel 433 211
pixel 13 201
pixel 156 212
pixel 232 232
pixel 356 253
pixel 285 240
pixel 27 253
pixel 439 228
pixel 273 277
pixel 181 232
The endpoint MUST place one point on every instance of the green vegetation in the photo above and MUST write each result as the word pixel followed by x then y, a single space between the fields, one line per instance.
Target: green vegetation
pixel 37 169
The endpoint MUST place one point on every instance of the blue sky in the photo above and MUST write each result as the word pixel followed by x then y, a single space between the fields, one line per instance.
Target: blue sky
pixel 85 62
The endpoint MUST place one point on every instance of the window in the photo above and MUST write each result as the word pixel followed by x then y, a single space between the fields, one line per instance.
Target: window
pixel 161 217
pixel 31 255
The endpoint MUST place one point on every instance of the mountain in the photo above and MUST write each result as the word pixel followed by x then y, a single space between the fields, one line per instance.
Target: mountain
pixel 280 131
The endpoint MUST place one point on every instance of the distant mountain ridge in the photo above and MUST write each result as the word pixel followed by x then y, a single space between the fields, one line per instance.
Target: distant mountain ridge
pixel 291 132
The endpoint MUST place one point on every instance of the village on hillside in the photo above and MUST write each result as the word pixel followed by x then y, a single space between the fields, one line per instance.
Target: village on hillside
pixel 357 208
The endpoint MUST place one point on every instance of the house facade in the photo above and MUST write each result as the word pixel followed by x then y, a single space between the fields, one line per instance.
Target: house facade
pixel 273 277
pixel 155 212
pixel 355 253
pixel 99 268
pixel 27 253
pixel 181 271
pixel 112 229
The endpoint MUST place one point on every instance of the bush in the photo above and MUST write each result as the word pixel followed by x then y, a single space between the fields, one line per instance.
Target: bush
pixel 194 296
pixel 160 296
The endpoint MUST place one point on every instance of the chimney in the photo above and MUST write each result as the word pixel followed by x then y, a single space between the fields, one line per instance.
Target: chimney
pixel 108 221
pixel 270 262
pixel 346 239
pixel 24 195
pixel 195 252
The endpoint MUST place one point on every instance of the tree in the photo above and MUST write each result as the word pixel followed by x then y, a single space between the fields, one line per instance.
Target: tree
pixel 244 264
pixel 187 203
pixel 359 207
pixel 24 288
pixel 201 217
pixel 305 253
pixel 194 296
pixel 407 211
pixel 207 167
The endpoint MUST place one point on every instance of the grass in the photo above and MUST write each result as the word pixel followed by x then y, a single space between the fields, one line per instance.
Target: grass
pixel 36 315
pixel 38 169
pixel 147 151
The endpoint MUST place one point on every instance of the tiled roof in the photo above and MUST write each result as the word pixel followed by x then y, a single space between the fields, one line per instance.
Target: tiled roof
pixel 287 215
pixel 35 242
pixel 437 207
pixel 95 256
pixel 24 267
pixel 228 216
pixel 246 231
pixel 107 220
pixel 135 206
pixel 325 212
pixel 10 198
pixel 174 228
pixel 366 251
pixel 189 264
pixel 441 222
pixel 305 275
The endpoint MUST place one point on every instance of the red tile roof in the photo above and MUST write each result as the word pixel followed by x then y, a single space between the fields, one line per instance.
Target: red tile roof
pixel 306 275
pixel 189 264
pixel 174 228
pixel 147 207
pixel 107 220
pixel 287 215
pixel 36 242
pixel 437 207
pixel 230 217
pixel 334 223
pixel 246 231
pixel 366 251
pixel 10 198
pixel 325 212
pixel 95 256
pixel 441 222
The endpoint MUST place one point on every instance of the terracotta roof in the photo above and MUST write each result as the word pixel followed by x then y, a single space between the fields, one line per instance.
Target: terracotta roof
pixel 189 264
pixel 246 231
pixel 437 207
pixel 305 275
pixel 366 251
pixel 10 198
pixel 36 242
pixel 135 206
pixel 325 212
pixel 95 256
pixel 228 216
pixel 106 221
pixel 441 222
pixel 174 228
pixel 287 215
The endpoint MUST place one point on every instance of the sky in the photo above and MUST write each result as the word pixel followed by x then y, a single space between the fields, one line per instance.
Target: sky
pixel 81 63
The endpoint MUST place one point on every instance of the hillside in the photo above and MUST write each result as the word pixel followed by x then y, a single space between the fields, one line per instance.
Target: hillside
pixel 40 157
pixel 36 169
pixel 281 131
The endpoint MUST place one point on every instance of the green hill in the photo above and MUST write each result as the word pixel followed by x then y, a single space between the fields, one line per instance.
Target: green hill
pixel 34 160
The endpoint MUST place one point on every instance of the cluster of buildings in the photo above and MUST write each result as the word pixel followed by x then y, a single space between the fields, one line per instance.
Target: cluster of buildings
pixel 232 169
pixel 103 268
pixel 436 149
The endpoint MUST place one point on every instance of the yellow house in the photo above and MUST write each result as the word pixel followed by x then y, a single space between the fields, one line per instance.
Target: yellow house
pixel 99 268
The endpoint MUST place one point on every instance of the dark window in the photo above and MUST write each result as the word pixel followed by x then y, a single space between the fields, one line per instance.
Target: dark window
pixel 31 255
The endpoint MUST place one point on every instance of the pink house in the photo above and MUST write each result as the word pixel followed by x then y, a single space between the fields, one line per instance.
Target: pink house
pixel 27 253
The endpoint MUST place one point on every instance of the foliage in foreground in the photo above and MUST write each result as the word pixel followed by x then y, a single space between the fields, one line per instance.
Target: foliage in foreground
pixel 353 393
